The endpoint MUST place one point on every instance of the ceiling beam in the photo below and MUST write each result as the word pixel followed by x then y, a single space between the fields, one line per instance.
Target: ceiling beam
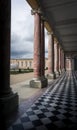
pixel 59 4
pixel 66 22
pixel 69 42
pixel 33 4
pixel 69 35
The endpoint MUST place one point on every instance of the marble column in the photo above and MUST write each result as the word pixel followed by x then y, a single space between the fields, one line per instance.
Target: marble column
pixel 64 61
pixel 61 59
pixel 43 51
pixel 8 100
pixel 57 59
pixel 75 63
pixel 37 80
pixel 51 74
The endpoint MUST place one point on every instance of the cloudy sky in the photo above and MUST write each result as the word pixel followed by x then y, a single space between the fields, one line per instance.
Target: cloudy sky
pixel 22 30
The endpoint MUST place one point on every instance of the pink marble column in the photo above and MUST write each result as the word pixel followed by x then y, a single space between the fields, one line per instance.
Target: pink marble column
pixel 51 57
pixel 57 59
pixel 61 59
pixel 42 49
pixel 43 78
pixel 39 58
pixel 64 62
pixel 37 44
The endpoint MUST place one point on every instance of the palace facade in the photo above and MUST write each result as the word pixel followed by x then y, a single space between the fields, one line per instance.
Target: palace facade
pixel 24 63
pixel 28 63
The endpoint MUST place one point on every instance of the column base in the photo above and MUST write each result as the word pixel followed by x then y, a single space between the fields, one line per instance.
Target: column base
pixel 39 83
pixel 57 74
pixel 51 76
pixel 63 70
pixel 9 104
pixel 60 72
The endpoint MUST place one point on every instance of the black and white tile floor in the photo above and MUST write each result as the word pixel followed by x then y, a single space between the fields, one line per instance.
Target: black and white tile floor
pixel 55 109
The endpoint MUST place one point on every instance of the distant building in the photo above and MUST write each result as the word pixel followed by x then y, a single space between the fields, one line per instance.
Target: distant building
pixel 23 63
pixel 14 66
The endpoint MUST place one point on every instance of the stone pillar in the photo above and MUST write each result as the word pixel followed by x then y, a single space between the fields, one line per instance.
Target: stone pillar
pixel 57 59
pixel 64 62
pixel 72 64
pixel 8 100
pixel 51 74
pixel 43 51
pixel 61 59
pixel 37 81
pixel 75 63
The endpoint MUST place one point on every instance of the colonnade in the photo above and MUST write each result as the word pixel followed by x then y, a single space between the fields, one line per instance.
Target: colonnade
pixel 55 54
pixel 8 99
pixel 39 79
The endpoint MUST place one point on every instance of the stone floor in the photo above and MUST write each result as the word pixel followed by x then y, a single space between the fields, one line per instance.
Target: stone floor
pixel 56 107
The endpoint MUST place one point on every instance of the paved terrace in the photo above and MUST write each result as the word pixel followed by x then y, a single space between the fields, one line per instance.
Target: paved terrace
pixel 56 108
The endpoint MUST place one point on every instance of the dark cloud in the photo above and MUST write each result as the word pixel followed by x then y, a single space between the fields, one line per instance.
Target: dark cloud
pixel 20 54
pixel 20 48
pixel 29 39
pixel 22 29
pixel 15 39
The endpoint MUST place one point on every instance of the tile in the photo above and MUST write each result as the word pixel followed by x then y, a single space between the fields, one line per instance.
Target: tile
pixel 37 123
pixel 18 127
pixel 56 108
pixel 42 127
pixel 59 124
pixel 25 119
pixel 48 114
pixel 33 117
pixel 27 125
pixel 45 121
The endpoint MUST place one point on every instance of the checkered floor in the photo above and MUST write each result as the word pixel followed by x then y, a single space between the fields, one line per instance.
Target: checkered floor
pixel 55 109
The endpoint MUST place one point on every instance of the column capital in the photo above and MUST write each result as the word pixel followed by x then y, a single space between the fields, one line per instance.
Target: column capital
pixel 61 49
pixel 34 11
pixel 55 40
pixel 43 18
pixel 59 46
pixel 50 33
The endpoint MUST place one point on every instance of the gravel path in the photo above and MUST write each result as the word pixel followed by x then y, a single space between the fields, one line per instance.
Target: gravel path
pixel 17 78
pixel 20 84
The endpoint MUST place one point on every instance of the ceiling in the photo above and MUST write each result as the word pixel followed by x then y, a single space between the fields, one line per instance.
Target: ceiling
pixel 62 17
